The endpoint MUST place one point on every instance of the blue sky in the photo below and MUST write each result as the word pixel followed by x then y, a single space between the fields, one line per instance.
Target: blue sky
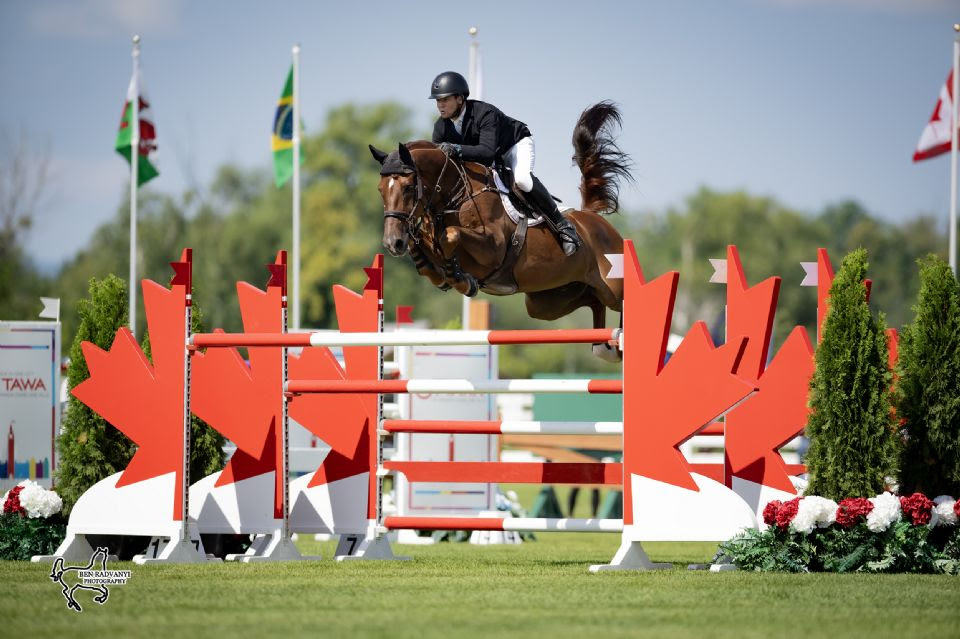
pixel 808 101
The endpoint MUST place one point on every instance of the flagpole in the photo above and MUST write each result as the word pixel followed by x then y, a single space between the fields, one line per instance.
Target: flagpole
pixel 953 149
pixel 476 93
pixel 296 187
pixel 134 166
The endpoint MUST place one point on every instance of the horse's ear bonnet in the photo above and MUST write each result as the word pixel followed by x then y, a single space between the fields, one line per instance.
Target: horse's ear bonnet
pixel 392 163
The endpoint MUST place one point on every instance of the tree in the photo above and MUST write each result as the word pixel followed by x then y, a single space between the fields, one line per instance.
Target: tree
pixel 850 426
pixel 928 385
pixel 24 189
pixel 90 448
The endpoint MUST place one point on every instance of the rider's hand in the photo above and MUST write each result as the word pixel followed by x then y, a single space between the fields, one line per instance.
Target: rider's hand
pixel 452 150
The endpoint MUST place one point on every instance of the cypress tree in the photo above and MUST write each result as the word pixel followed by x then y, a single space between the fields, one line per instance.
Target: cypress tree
pixel 90 448
pixel 850 425
pixel 928 385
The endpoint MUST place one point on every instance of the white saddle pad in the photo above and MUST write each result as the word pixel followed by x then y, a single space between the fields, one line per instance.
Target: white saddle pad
pixel 508 205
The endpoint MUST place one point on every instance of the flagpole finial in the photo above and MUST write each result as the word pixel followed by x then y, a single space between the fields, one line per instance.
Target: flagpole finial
pixel 472 31
pixel 136 39
pixel 956 27
pixel 296 48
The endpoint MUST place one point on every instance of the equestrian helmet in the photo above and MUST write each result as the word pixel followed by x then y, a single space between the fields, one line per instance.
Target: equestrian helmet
pixel 449 83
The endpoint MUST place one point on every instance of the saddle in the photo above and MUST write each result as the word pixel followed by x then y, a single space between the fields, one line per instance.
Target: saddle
pixel 501 281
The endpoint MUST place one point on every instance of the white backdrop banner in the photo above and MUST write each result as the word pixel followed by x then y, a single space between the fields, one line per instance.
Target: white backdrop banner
pixel 29 401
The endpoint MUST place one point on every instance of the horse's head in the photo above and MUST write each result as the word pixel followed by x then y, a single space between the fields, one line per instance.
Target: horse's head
pixel 399 189
pixel 411 190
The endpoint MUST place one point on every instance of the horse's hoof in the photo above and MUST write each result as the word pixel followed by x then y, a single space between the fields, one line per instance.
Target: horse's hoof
pixel 607 353
pixel 472 286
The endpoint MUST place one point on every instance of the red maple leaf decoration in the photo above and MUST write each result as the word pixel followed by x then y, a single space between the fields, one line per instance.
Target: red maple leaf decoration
pixel 667 404
pixel 244 402
pixel 145 401
pixel 777 413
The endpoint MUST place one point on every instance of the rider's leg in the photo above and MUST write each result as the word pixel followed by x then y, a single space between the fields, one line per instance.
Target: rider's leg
pixel 566 232
pixel 520 158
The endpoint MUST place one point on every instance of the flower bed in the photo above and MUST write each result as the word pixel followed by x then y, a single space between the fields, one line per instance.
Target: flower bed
pixel 885 533
pixel 31 523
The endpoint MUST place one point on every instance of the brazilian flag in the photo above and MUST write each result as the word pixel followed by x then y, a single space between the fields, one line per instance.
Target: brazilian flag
pixel 281 140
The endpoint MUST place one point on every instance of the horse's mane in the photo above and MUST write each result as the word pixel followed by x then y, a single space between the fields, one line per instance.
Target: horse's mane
pixel 600 160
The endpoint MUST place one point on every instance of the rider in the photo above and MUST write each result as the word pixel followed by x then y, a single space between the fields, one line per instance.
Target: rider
pixel 476 131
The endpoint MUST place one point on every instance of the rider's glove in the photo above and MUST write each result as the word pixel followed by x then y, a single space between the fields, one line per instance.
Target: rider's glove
pixel 452 150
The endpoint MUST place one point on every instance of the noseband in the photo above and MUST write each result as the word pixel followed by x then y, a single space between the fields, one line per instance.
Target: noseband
pixel 413 228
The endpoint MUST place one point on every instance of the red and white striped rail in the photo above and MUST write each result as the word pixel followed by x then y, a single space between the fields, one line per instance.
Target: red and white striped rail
pixel 607 474
pixel 517 524
pixel 407 338
pixel 506 427
pixel 459 386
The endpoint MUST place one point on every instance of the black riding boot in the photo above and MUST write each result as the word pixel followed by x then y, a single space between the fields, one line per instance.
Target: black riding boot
pixel 566 232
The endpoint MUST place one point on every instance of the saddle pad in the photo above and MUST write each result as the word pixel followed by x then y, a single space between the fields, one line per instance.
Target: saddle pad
pixel 508 206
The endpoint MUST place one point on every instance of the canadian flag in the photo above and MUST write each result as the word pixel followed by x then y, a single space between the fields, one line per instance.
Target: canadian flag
pixel 935 138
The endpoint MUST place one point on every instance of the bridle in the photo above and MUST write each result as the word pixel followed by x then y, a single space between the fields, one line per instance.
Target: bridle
pixel 425 201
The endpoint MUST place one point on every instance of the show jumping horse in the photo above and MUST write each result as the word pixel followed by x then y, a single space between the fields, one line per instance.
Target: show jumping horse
pixel 450 217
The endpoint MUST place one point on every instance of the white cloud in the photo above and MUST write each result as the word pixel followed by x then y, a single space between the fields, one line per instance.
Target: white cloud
pixel 98 19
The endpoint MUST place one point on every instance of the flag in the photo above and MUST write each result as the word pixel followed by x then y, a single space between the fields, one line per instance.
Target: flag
pixel 281 140
pixel 935 138
pixel 136 94
pixel 51 308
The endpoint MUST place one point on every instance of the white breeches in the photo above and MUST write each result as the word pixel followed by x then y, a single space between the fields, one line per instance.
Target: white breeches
pixel 520 158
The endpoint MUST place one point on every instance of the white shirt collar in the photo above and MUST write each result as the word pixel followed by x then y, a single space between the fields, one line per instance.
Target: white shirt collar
pixel 458 121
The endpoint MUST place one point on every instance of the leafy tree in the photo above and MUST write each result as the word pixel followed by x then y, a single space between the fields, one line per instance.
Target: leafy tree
pixel 928 385
pixel 24 190
pixel 850 426
pixel 90 448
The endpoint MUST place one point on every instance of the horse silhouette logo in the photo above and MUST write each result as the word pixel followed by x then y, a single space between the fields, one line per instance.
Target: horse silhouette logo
pixel 94 576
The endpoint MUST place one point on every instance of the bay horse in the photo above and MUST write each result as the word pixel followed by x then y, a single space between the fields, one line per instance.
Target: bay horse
pixel 450 218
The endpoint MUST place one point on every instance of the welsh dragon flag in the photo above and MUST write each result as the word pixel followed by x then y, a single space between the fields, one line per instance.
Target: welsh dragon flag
pixel 136 94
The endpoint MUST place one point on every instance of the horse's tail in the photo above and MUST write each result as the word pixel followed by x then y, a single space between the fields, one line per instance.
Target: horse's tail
pixel 601 161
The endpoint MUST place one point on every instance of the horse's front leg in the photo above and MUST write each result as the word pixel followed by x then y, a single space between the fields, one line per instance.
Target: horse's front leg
pixel 463 281
pixel 427 270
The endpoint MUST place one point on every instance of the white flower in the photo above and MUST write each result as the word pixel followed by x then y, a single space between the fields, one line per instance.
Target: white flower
pixel 943 508
pixel 814 512
pixel 39 502
pixel 886 510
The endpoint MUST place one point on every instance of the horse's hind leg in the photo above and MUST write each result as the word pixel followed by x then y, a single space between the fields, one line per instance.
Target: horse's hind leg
pixel 603 350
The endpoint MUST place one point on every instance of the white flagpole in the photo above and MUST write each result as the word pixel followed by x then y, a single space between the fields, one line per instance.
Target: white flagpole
pixel 476 92
pixel 296 187
pixel 134 166
pixel 953 150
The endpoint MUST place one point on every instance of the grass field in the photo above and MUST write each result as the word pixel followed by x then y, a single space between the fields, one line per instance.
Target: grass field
pixel 537 589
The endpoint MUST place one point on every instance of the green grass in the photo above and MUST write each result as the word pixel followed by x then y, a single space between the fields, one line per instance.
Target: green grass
pixel 538 589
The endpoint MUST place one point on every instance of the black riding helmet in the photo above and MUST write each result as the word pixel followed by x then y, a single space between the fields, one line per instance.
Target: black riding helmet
pixel 449 83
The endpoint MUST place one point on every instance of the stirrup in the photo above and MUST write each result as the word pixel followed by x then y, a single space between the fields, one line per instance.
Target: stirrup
pixel 570 241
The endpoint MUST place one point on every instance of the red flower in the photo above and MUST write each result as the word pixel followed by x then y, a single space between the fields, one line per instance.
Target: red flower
pixel 853 510
pixel 12 505
pixel 917 506
pixel 770 512
pixel 956 508
pixel 787 512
